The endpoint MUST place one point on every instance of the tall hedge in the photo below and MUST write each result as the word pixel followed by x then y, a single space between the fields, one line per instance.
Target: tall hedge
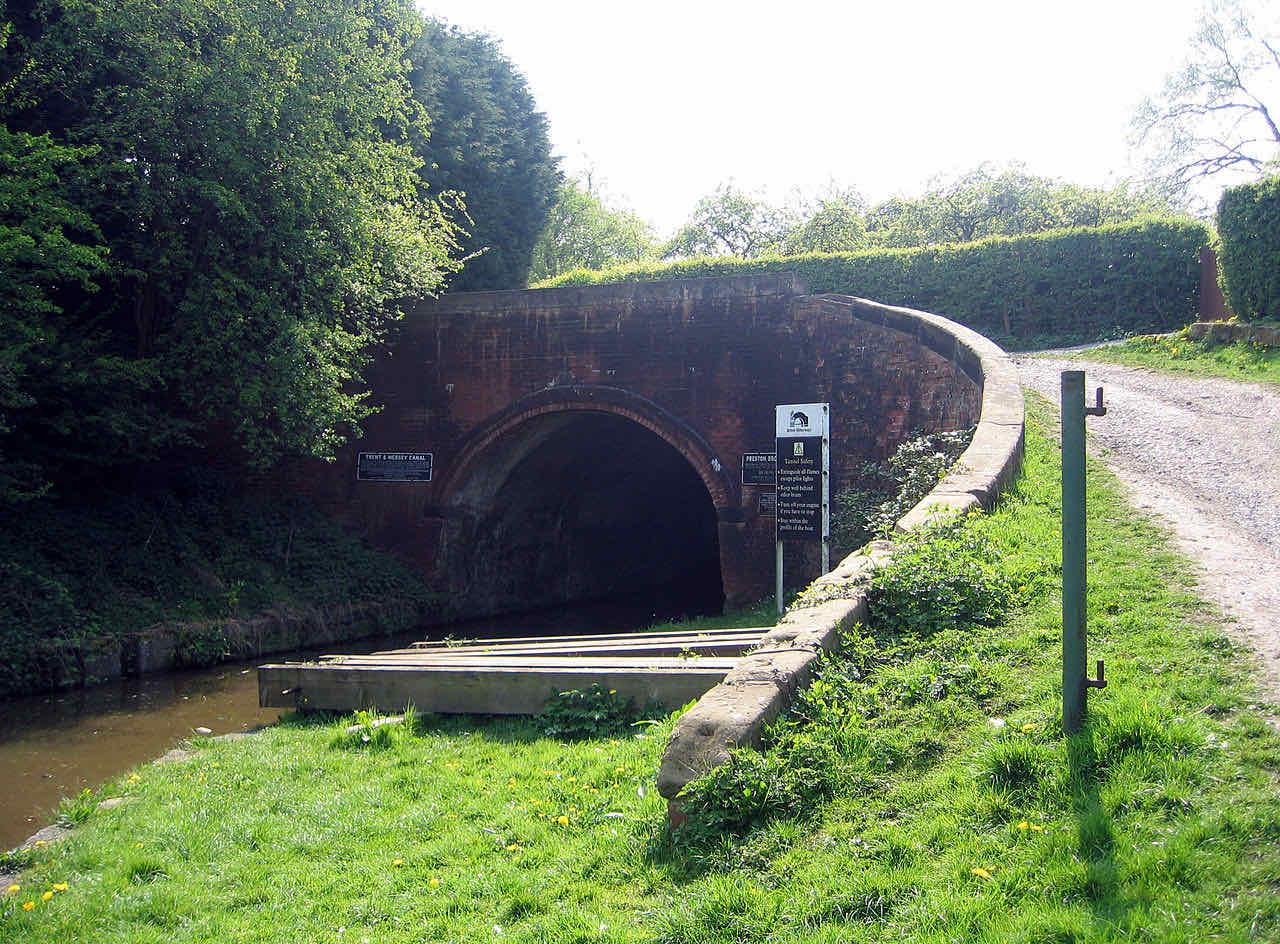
pixel 1065 285
pixel 1249 227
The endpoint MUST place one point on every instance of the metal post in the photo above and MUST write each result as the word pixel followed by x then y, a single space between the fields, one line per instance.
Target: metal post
pixel 1075 682
pixel 779 577
pixel 826 488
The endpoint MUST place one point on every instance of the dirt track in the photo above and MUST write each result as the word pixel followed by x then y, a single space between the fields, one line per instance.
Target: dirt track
pixel 1203 455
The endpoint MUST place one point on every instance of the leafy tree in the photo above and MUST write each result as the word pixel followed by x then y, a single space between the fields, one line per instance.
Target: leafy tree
pixel 833 222
pixel 488 142
pixel 584 232
pixel 234 156
pixel 1219 113
pixel 987 201
pixel 732 222
pixel 45 243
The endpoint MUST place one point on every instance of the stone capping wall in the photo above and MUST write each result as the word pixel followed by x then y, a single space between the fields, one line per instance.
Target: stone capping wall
pixel 735 712
pixel 1227 332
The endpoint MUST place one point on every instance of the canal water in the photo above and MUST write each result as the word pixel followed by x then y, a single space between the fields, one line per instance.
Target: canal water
pixel 55 745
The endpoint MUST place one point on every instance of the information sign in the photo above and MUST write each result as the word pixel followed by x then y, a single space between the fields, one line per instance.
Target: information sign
pixel 394 467
pixel 800 488
pixel 769 504
pixel 803 436
pixel 758 468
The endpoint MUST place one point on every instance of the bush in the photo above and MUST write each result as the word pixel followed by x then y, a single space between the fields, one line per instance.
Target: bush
pixel 940 577
pixel 1065 285
pixel 890 489
pixel 1249 227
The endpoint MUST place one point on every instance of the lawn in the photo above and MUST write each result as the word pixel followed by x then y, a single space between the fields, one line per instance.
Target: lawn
pixel 924 791
pixel 1178 354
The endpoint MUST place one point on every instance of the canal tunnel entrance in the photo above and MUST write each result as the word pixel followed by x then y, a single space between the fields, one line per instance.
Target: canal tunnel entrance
pixel 572 506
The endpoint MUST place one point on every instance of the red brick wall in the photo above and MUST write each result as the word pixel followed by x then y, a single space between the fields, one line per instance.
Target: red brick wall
pixel 701 362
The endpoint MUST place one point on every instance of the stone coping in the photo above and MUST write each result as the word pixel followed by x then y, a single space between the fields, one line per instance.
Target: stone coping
pixel 1227 332
pixel 735 712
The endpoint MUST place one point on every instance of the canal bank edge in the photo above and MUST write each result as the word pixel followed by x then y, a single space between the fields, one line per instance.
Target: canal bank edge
pixel 185 645
pixel 735 712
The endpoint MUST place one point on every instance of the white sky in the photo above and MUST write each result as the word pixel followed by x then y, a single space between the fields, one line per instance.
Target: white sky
pixel 668 99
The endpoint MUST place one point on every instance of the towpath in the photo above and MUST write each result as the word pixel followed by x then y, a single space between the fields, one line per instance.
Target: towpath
pixel 1203 456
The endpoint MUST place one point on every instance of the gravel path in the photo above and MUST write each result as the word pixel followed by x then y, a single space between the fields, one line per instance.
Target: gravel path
pixel 1204 455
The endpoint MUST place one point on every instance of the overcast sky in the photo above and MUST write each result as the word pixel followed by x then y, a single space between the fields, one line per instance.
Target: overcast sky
pixel 668 99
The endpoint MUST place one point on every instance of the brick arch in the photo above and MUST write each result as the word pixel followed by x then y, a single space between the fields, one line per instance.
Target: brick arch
pixel 700 455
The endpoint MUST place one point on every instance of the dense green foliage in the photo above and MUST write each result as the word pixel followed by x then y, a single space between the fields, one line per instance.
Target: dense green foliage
pixel 76 574
pixel 235 157
pixel 489 143
pixel 45 243
pixel 584 232
pixel 1249 228
pixel 1066 285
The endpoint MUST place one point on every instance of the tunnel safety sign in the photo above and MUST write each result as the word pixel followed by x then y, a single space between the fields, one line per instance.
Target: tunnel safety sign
pixel 803 437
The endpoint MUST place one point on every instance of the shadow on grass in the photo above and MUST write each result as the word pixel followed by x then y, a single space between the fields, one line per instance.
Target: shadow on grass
pixel 1095 835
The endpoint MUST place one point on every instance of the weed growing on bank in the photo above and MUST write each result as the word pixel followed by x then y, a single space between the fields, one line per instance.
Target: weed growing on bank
pixel 924 793
pixel 1176 353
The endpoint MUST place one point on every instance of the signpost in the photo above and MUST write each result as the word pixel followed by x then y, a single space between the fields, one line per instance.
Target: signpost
pixel 394 467
pixel 803 435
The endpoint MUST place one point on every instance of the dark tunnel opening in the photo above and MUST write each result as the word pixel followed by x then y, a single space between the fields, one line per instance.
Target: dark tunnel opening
pixel 581 506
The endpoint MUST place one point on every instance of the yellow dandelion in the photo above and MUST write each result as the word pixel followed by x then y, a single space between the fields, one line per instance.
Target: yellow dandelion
pixel 1037 829
pixel 60 886
pixel 137 845
pixel 28 905
pixel 1024 825
pixel 1028 727
pixel 980 872
pixel 511 781
pixel 514 847
pixel 572 779
pixel 46 896
pixel 41 842
pixel 613 691
pixel 434 883
pixel 13 888
pixel 562 820
pixel 397 862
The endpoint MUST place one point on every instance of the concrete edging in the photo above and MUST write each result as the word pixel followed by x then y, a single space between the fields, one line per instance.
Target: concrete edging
pixel 735 712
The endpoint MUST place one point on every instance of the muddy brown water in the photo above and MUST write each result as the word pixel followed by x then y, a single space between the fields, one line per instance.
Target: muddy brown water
pixel 55 745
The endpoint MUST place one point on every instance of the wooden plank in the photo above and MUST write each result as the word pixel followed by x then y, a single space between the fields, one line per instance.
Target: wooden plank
pixel 469 689
pixel 714 650
pixel 530 662
pixel 597 637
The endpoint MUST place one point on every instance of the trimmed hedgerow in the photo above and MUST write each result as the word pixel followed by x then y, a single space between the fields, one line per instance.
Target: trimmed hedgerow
pixel 1249 227
pixel 1065 285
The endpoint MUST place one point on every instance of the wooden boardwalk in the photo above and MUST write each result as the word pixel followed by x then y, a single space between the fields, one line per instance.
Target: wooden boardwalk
pixel 509 676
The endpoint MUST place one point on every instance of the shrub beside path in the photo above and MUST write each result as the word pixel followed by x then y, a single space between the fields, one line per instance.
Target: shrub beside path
pixel 1204 456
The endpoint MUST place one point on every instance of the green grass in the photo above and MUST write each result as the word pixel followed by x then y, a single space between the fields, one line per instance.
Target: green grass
pixel 1160 822
pixel 1180 355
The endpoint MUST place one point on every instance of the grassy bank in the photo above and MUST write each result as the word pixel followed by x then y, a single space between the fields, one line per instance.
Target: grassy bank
pixel 1178 354
pixel 941 803
pixel 75 574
